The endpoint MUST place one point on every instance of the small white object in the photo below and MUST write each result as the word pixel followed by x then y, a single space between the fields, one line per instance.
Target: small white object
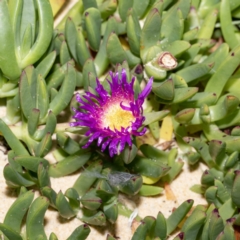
pixel 132 216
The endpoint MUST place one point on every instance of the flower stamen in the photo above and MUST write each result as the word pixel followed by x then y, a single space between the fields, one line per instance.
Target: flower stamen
pixel 115 117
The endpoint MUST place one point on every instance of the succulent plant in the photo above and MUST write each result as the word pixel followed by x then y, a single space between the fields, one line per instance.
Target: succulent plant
pixel 119 68
pixel 35 209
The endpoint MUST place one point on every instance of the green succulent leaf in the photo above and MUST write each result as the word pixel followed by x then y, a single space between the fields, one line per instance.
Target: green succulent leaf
pixel 43 177
pixel 18 209
pixel 94 218
pixel 147 190
pixel 27 40
pixel 30 162
pixel 89 74
pixel 173 20
pixel 69 164
pixel 62 99
pixel 140 6
pixel 116 52
pixel 148 167
pixel 215 225
pixel 63 206
pixel 217 82
pixel 53 236
pixel 107 8
pixel 150 32
pixel 80 232
pixel 160 229
pixel 92 20
pixel 44 146
pixel 44 34
pixel 141 231
pixel 193 224
pixel 50 194
pixel 152 117
pixel 64 53
pixel 177 216
pixel 88 177
pixel 35 218
pixel 9 232
pixel 16 179
pixel 123 7
pixel 55 79
pixel 89 4
pixel 12 140
pixel 235 187
pixel 90 200
pixel 207 29
pixel 133 32
pixel 111 212
pixel 8 59
pixel 101 60
pixel 46 64
pixel 73 197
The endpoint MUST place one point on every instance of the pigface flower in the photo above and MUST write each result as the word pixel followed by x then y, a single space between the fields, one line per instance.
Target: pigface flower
pixel 112 118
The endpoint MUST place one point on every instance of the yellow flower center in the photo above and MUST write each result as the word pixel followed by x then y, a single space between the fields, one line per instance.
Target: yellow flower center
pixel 115 117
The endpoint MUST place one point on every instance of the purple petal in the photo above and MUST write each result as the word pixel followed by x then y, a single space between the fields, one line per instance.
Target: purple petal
pixel 105 144
pixel 147 89
pixel 91 112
